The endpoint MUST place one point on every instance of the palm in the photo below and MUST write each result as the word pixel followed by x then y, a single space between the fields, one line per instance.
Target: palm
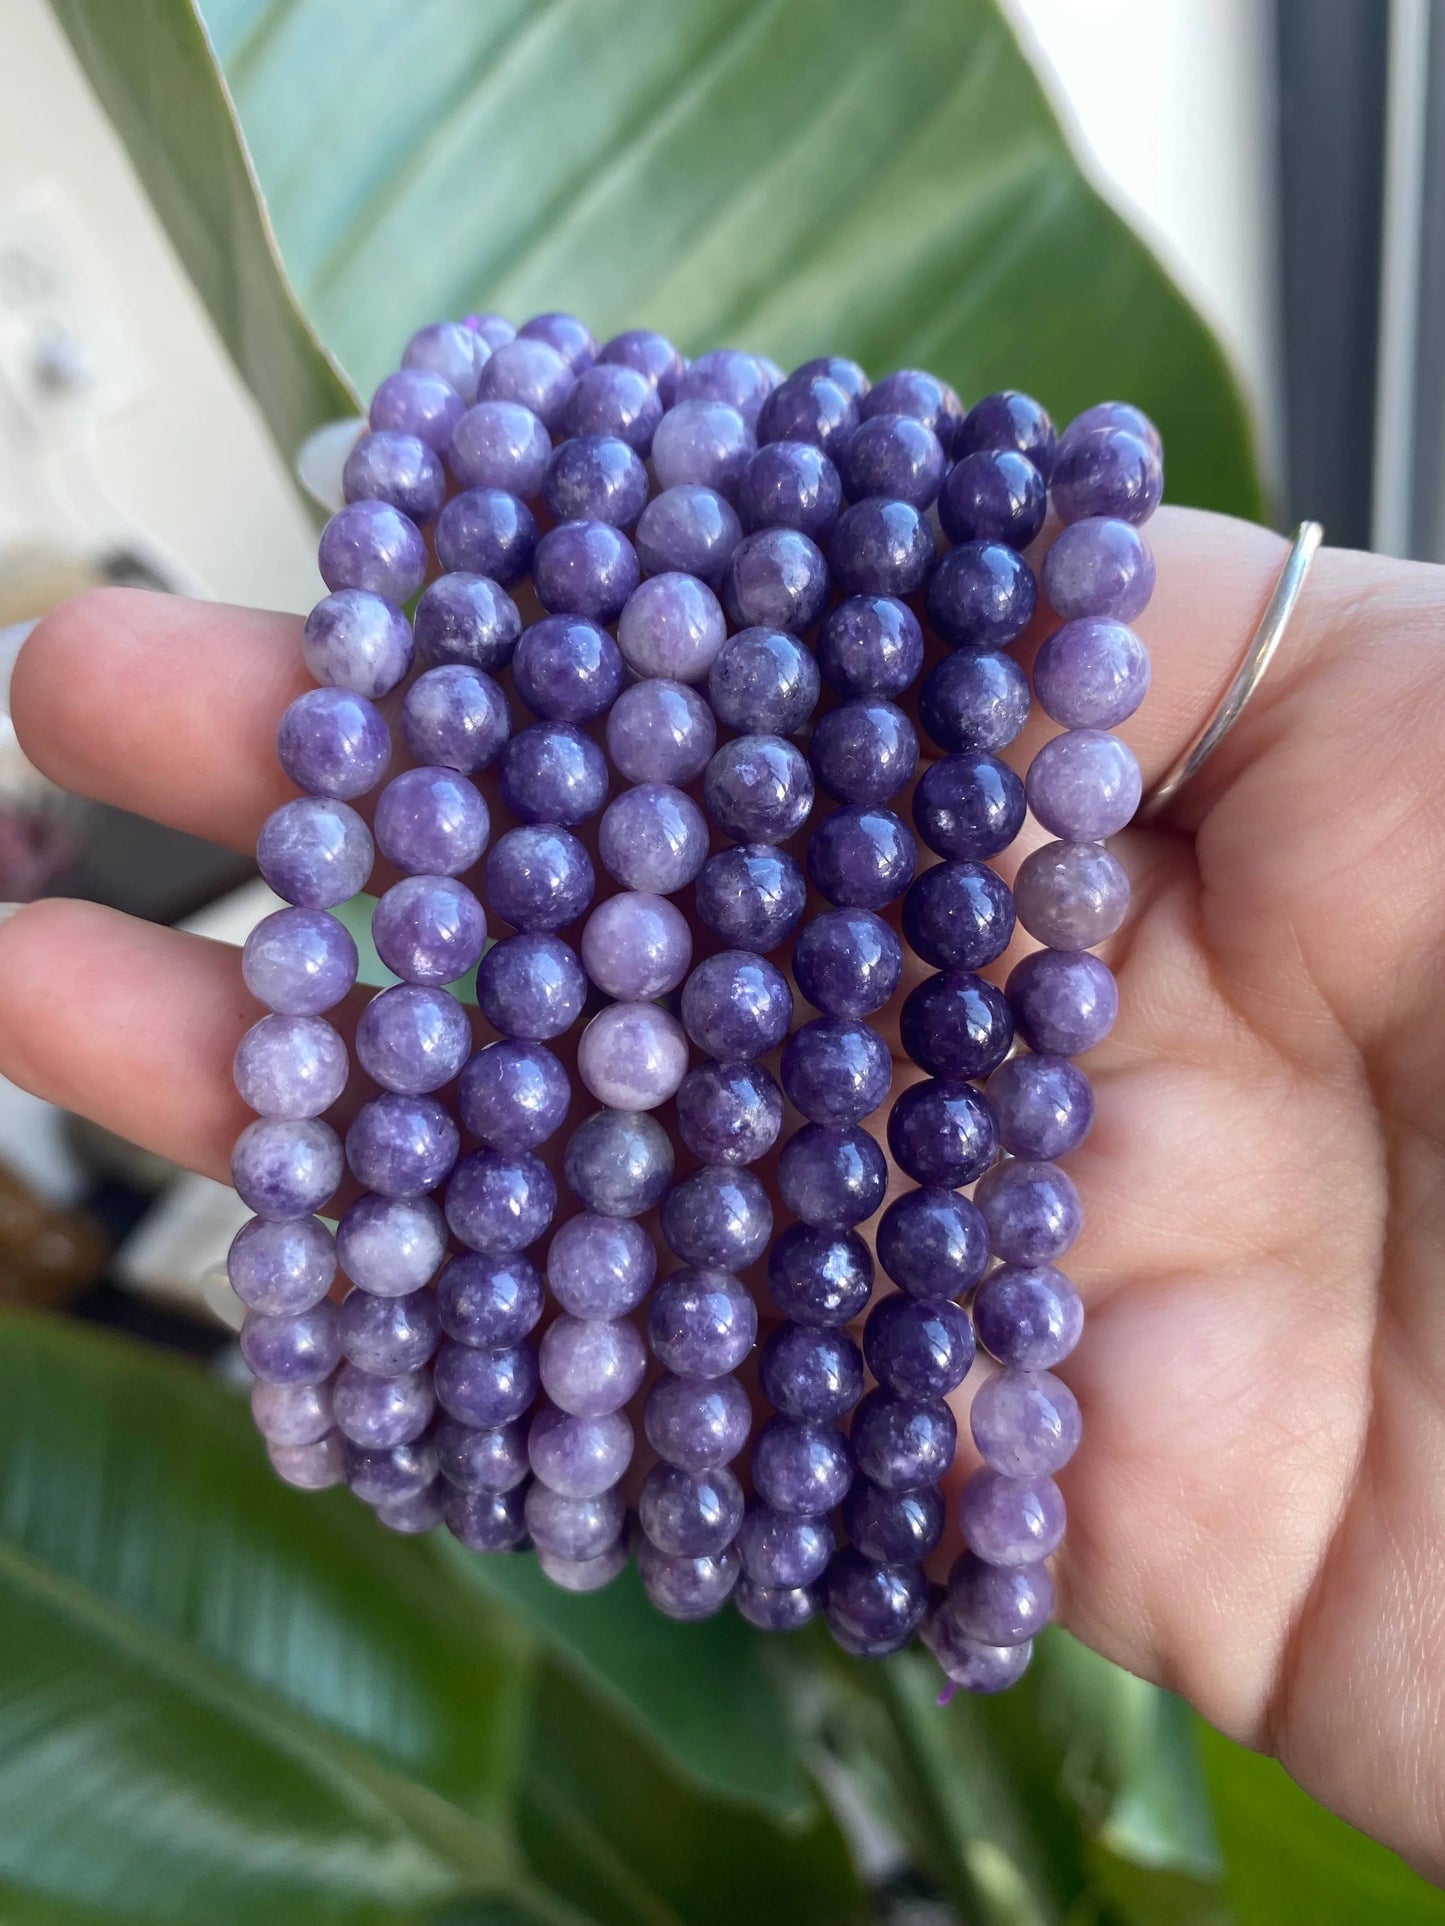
pixel 1253 1518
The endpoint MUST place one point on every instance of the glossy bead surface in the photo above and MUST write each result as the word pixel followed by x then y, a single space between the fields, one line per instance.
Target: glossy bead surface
pixel 374 548
pixel 397 469
pixel 752 897
pixel 728 375
pixel 585 568
pixel 448 349
pixel 291 1414
pixel 848 962
pixel 595 478
pixel 615 401
pixel 701 1323
pixel 530 372
pixel 485 1388
pixel 380 1412
pixel 286 1169
pixel 590 1366
pixel 476 1459
pixel 486 532
pixel 490 1303
pixel 993 495
pixel 809 1371
pixel 539 877
pixel 660 731
pixel 970 701
pixel 895 456
pixel 1099 566
pixel 1032 1210
pixel 391 1246
pixel 862 856
pixel 1091 674
pixel 467 619
pixel 428 929
pixel 942 1134
pixel 1026 1423
pixel 996 1605
pixel 790 484
pixel 651 354
pixel 959 916
pixel 719 1218
pixel 970 1664
pixel 299 962
pixel 431 822
pixel 514 1095
pixel 836 1070
pixel 315 853
pixel 704 443
pixel 499 1202
pixel 1064 1001
pixel 281 1268
pixel 600 1266
pixel 1106 471
pixel 956 1026
pixel 912 391
pixel 808 410
pixel 933 1243
pixel 690 529
pixel 290 1067
pixel 573 1528
pixel 485 1521
pixel 729 1113
pixel 763 682
pixel 801 1469
pixel 501 444
pixel 819 1277
pixel 870 645
pixel 332 742
pixel 579 1457
pixel 901 1443
pixel 401 1146
pixel 531 986
pixel 632 1056
pixel 571 338
pixel 672 627
pixel 303 1348
pixel 970 806
pixel 1044 1105
pixel 864 751
pixel 1008 419
pixel 832 1178
pixel 636 946
pixel 619 1163
pixel 873 1609
pixel 689 1589
pixel 1011 1521
pixel 774 1608
pixel 567 669
pixel 893 1527
pixel 357 641
pixel 1031 1318
pixel 653 838
pixel 690 1514
pixel 553 773
pixel 1072 896
pixel 697 1423
pixel 881 547
pixel 758 789
pixel 981 596
pixel 420 402
pixel 389 1335
pixel 918 1347
pixel 455 716
pixel 584 1574
pixel 776 579
pixel 1084 785
pixel 736 1006
pixel 783 1550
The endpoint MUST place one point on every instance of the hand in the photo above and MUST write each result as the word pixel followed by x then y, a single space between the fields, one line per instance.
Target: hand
pixel 1257 1518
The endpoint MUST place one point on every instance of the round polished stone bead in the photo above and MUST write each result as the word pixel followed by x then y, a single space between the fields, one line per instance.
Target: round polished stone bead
pixel 660 731
pixel 485 1521
pixel 933 1243
pixel 995 1604
pixel 651 354
pixel 970 806
pixel 431 822
pixel 290 1067
pixel 574 1528
pixel 493 330
pixel 357 641
pixel 428 929
pixel 758 789
pixel 401 1146
pixel 1026 1423
pixel 653 838
pixel 688 1589
pixel 790 484
pixel 636 946
pixel 819 1277
pixel 595 478
pixel 1099 566
pixel 455 717
pixel 1009 419
pixel 703 443
pixel 864 751
pixel 619 1163
pixel 567 669
pixel 391 1246
pixel 1011 1521
pixel 773 1608
pixel 701 1323
pixel 448 349
pixel 801 1469
pixel 498 1202
pixel 918 1347
pixel 467 619
pixel 291 1414
pixel 729 1113
pixel 691 530
pixel 1106 471
pixel 1091 674
pixel 1072 896
pixel 809 1371
pixel 417 1512
pixel 873 1609
pixel 672 628
pixel 539 877
pixel 752 897
pixel 1064 1001
pixel 981 596
pixel 1115 414
pixel 974 701
pixel 719 1218
pixel 571 338
pixel 476 1459
pixel 552 773
pixel 971 1665
pixel 299 962
pixel 600 1266
pixel 862 856
pixel 882 547
pixel 736 1006
pixel 697 1423
pixel 901 1443
pixel 836 1070
pixel 741 380
pixel 913 392
pixel 586 568
pixel 375 548
pixel 782 1550
pixel 993 495
pixel 486 532
pixel 579 1457
pixel 388 1336
pixel 315 853
pixel 1032 1211
pixel 485 1388
pixel 1044 1106
pixel 763 682
pixel 332 742
pixel 832 1178
pixel 847 374
pixel 632 1056
pixel 501 444
pixel 530 372
pixel 870 645
pixel 286 1169
pixel 513 1095
pixel 959 916
pixel 399 470
pixel 419 402
pixel 615 402
pixel 956 1026
pixel 1031 1318
pixel 380 1412
pixel 777 579
pixel 531 986
pixel 894 456
pixel 809 410
pixel 584 1574
pixel 304 1348
pixel 489 1303
pixel 847 962
pixel 281 1268
pixel 690 1514
pixel 893 1527
pixel 942 1134
pixel 591 1365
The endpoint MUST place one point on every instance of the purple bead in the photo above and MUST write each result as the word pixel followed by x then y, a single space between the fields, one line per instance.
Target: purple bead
pixel 871 1609
pixel 727 375
pixel 428 929
pixel 653 838
pixel 719 1219
pixel 918 1347
pixel 1032 1211
pixel 808 410
pixel 782 1550
pixel 956 1026
pixel 801 1469
pixel 332 742
pixel 636 946
pixel 400 470
pixel 552 773
pixel 431 822
pixel 1115 414
pixel 485 1521
pixel 1072 896
pixel 455 717
pixel 1026 1423
pixel 996 1605
pixel 600 1266
pixel 417 401
pixel 893 1527
pixel 959 916
pixel 357 641
pixel 870 645
pixel 736 1006
pixel 567 669
pixel 375 548
pixel 531 987
pixel 777 579
pixel 619 1163
pixel 660 731
pixel 574 1528
pixel 942 1134
pixel 486 532
pixel 448 349
pixel 290 1067
pixel 1106 471
pixel 697 1423
pixel 808 1371
pixel 763 682
pixel 315 853
pixel 836 1070
pixel 579 1457
pixel 864 751
pixel 702 443
pixel 493 329
pixel 489 1303
pixel 591 1365
pixel 281 1268
pixel 299 961
pixel 688 1589
pixel 1011 1521
pixel 1064 1001
pixel 1008 419
pixel 617 403
pixel 993 495
pixel 310 1467
pixel 584 1574
pixel 286 1169
pixel 304 1348
pixel 291 1414
pixel 530 372
pixel 774 1608
pixel 539 877
pixel 758 789
pixel 882 547
pixel 1099 566
pixel 847 374
pixel 632 1056
pixel 1031 1319
pixel 861 856
pixel 595 478
pixel 378 1412
pixel 467 618
pixel 912 391
pixel 901 1443
pixel 974 701
pixel 393 1475
pixel 751 897
pixel 391 1246
pixel 690 1514
pixel 790 484
pixel 500 1202
pixel 1091 674
pixel 820 1277
pixel 933 1243
pixel 729 1113
pixel 501 444
pixel 701 1323
pixel 894 456
pixel 970 1664
pixel 514 1096
pixel 571 338
pixel 672 627
pixel 485 1388
pixel 970 806
pixel 1044 1106
pixel 651 354
pixel 401 1146
pixel 389 1336
pixel 691 530
pixel 847 962
pixel 494 1459
pixel 832 1178
pixel 981 596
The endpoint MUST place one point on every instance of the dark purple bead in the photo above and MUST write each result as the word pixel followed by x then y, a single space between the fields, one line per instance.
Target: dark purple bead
pixel 801 1469
pixel 282 1268
pixel 431 822
pixel 847 962
pixel 1064 1001
pixel 959 916
pixel 1008 419
pixel 382 1477
pixel 569 337
pixel 531 372
pixel 689 530
pixel 574 1528
pixel 450 350
pixel 763 682
pixel 485 1521
pixel 428 929
pixel 332 742
pixel 397 469
pixel 727 375
pixel 729 1113
pixel 374 548
pixel 651 354
pixel 389 1336
pixel 619 1163
pixel 1032 1211
pixel 1044 1106
pixel 567 669
pixel 379 1412
pixel 971 1665
pixel 996 1605
pixel 690 1514
pixel 1115 414
pixel 758 789
pixel 751 897
pixel 500 1202
pixel 660 731
pixel 872 1609
pixel 832 1178
pixel 391 1246
pixel 777 579
pixel 881 547
pixel 584 568
pixel 901 1443
pixel 974 701
pixel 847 374
pixel 1091 674
pixel 820 1277
pixel 531 986
pixel 981 596
pixel 943 1134
pixel 912 391
pixel 918 1347
pixel 893 456
pixel 1030 1318
pixel 414 401
pixel 486 531
pixel 808 410
pixel 956 1026
pixel 861 856
pixel 993 495
pixel 687 1589
pixel 970 806
pixel 836 1070
pixel 1106 471
pixel 595 478
pixel 617 403
pixel 782 1550
pixel 304 1348
pixel 774 1609
pixel 494 1459
pixel 514 1096
pixel 864 751
pixel 893 1527
pixel 870 645
pixel 701 1323
pixel 501 444
pixel 357 641
pixel 490 1303
pixel 552 773
pixel 736 1006
pixel 1011 1521
pixel 455 717
pixel 1099 566
pixel 697 1423
pixel 790 484
pixel 413 1039
pixel 702 443
pixel 718 1218
pixel 933 1243
pixel 467 618
pixel 808 1371
pixel 400 1146
pixel 539 877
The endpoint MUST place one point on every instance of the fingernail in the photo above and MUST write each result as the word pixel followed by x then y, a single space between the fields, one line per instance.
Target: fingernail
pixel 10 641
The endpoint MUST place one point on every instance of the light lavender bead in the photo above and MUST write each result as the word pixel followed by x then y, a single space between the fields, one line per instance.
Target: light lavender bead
pixel 413 1039
pixel 420 1511
pixel 484 1521
pixel 653 838
pixel 997 1604
pixel 651 354
pixel 574 1528
pixel 1099 566
pixel 315 853
pixel 302 1349
pixel 281 1268
pixel 428 929
pixel 1011 1521
pixel 375 548
pixel 1084 785
pixel 291 1414
pixel 493 329
pixel 1091 674
pixel 1071 896
pixel 1032 1210
pixel 501 444
pixel 775 1608
pixel 705 442
pixel 333 742
pixel 579 1457
pixel 401 1146
pixel 290 1067
pixel 632 1056
pixel 391 1246
pixel 357 641
pixel 448 349
pixel 417 401
pixel 431 822
pixel 389 1336
pixel 584 1574
pixel 672 626
pixel 1029 1318
pixel 530 372
pixel 1026 1423
pixel 1044 1105
pixel 1064 1002
pixel 691 529
pixel 499 1203
pixel 591 1365
pixel 391 1476
pixel 310 1467
pixel 660 731
pixel 572 339
pixel 399 470
pixel 742 380
pixel 485 1389
pixel 688 1589
pixel 619 1163
pixel 286 1169
pixel 299 962
pixel 636 946
pixel 600 1267
pixel 474 1458
pixel 972 1665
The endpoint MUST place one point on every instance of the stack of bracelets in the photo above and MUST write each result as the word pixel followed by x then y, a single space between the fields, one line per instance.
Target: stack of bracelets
pixel 633 573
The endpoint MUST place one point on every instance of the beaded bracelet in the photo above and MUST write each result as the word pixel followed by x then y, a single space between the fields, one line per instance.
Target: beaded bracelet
pixel 630 559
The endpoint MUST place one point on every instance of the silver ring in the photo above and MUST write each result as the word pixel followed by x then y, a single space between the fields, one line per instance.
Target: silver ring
pixel 1258 656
